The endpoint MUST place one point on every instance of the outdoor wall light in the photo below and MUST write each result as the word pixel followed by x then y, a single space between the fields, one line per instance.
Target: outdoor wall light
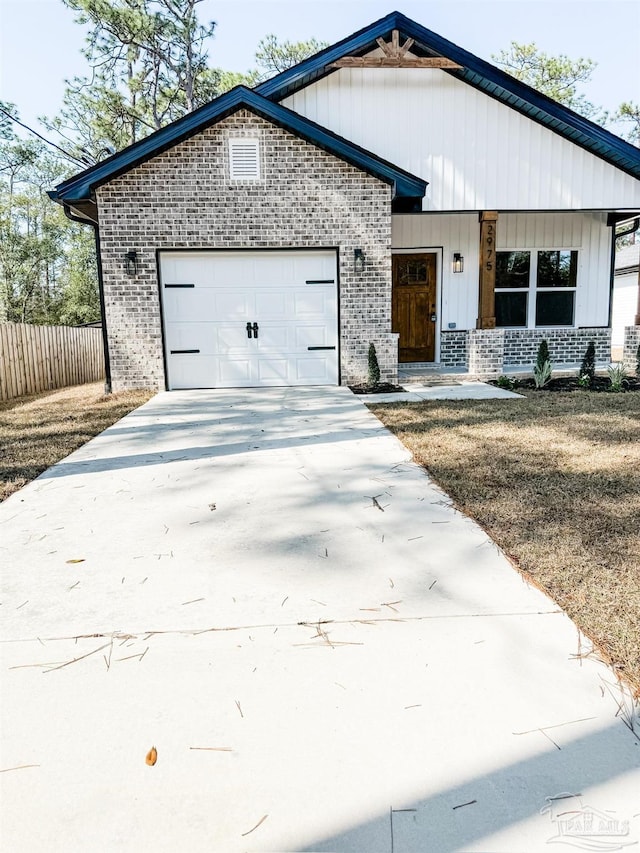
pixel 131 262
pixel 458 262
pixel 358 260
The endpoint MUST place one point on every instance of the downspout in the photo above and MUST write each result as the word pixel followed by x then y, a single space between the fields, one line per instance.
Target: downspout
pixel 105 338
pixel 629 230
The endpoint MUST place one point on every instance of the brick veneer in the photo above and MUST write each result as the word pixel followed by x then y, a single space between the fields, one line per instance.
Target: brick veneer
pixel 453 348
pixel 485 351
pixel 631 344
pixel 184 198
pixel 566 346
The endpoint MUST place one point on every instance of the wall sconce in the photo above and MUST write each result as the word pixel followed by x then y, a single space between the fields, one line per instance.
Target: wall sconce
pixel 131 262
pixel 458 262
pixel 358 260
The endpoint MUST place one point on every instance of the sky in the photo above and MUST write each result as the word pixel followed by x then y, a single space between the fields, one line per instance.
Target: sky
pixel 40 44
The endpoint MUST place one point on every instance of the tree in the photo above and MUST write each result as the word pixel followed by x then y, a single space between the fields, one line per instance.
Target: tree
pixel 556 76
pixel 271 57
pixel 39 246
pixel 148 61
pixel 629 113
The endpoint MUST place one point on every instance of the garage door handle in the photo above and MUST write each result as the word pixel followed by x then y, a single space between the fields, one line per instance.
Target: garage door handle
pixel 255 330
pixel 248 330
pixel 316 348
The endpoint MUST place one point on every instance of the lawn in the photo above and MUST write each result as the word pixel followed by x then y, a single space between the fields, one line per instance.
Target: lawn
pixel 37 431
pixel 555 481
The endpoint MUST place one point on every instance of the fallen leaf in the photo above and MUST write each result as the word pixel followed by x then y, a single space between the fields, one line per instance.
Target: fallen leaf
pixel 81 560
pixel 152 756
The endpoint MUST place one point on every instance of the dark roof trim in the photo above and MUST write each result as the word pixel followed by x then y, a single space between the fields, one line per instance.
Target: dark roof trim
pixel 81 186
pixel 478 73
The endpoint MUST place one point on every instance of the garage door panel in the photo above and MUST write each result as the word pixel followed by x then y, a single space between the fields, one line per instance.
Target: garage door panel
pixel 230 305
pixel 232 339
pixel 276 370
pixel 275 338
pixel 272 304
pixel 311 370
pixel 234 372
pixel 190 371
pixel 290 295
pixel 185 336
pixel 311 336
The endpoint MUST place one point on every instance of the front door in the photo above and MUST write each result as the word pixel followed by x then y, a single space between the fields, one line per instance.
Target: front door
pixel 414 306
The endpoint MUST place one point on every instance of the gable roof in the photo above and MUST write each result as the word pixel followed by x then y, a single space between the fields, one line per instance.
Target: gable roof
pixel 475 71
pixel 80 188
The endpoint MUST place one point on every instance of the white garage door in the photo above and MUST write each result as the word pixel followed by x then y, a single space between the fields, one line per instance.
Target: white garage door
pixel 245 319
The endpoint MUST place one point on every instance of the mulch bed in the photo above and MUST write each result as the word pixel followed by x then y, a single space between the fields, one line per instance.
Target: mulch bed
pixel 570 383
pixel 380 388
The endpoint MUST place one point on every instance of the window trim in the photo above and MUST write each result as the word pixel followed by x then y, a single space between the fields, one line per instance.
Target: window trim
pixel 532 290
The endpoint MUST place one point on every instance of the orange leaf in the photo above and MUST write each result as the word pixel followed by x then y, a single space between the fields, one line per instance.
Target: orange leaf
pixel 152 756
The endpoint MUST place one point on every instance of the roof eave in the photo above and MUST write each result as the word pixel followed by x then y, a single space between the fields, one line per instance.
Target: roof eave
pixel 476 72
pixel 81 187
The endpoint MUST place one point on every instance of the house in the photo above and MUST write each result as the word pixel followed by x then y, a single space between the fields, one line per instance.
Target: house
pixel 626 295
pixel 392 189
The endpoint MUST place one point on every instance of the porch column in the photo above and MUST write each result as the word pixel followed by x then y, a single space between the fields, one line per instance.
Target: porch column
pixel 637 319
pixel 487 295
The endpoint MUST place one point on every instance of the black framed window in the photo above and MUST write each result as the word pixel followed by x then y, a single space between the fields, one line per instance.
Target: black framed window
pixel 513 272
pixel 542 293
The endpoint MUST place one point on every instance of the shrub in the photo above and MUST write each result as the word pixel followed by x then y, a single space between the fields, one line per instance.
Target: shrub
pixel 588 366
pixel 617 376
pixel 638 361
pixel 543 368
pixel 374 367
pixel 542 374
pixel 584 381
pixel 506 382
pixel 543 354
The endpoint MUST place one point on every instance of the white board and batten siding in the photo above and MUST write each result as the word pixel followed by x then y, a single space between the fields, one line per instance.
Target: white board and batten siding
pixel 476 152
pixel 586 232
pixel 288 298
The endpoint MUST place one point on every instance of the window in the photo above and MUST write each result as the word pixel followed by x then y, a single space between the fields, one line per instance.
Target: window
pixel 244 159
pixel 536 289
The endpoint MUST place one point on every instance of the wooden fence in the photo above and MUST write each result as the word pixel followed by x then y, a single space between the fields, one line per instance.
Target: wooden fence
pixel 40 358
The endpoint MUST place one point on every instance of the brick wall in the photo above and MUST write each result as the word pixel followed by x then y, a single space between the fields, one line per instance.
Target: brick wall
pixel 631 344
pixel 453 348
pixel 566 346
pixel 486 352
pixel 184 198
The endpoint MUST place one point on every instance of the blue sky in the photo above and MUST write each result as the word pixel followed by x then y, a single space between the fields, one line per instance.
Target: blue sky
pixel 40 44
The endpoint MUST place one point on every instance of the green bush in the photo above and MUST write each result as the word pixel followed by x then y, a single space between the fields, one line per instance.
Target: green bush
pixel 617 376
pixel 506 382
pixel 543 368
pixel 543 354
pixel 542 374
pixel 588 366
pixel 374 367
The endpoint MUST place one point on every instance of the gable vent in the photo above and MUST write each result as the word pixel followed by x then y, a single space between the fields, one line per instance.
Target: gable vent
pixel 244 157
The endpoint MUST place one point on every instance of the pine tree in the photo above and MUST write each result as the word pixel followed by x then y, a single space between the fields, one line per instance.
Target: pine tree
pixel 374 367
pixel 588 366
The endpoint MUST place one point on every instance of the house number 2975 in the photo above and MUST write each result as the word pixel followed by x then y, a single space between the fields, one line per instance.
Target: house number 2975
pixel 489 236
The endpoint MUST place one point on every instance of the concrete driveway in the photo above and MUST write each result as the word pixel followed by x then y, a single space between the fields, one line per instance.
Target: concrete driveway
pixel 325 654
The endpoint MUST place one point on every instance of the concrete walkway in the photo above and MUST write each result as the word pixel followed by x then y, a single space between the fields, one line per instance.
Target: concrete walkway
pixel 324 652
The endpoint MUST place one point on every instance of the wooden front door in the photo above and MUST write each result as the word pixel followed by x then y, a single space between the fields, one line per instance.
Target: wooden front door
pixel 414 306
